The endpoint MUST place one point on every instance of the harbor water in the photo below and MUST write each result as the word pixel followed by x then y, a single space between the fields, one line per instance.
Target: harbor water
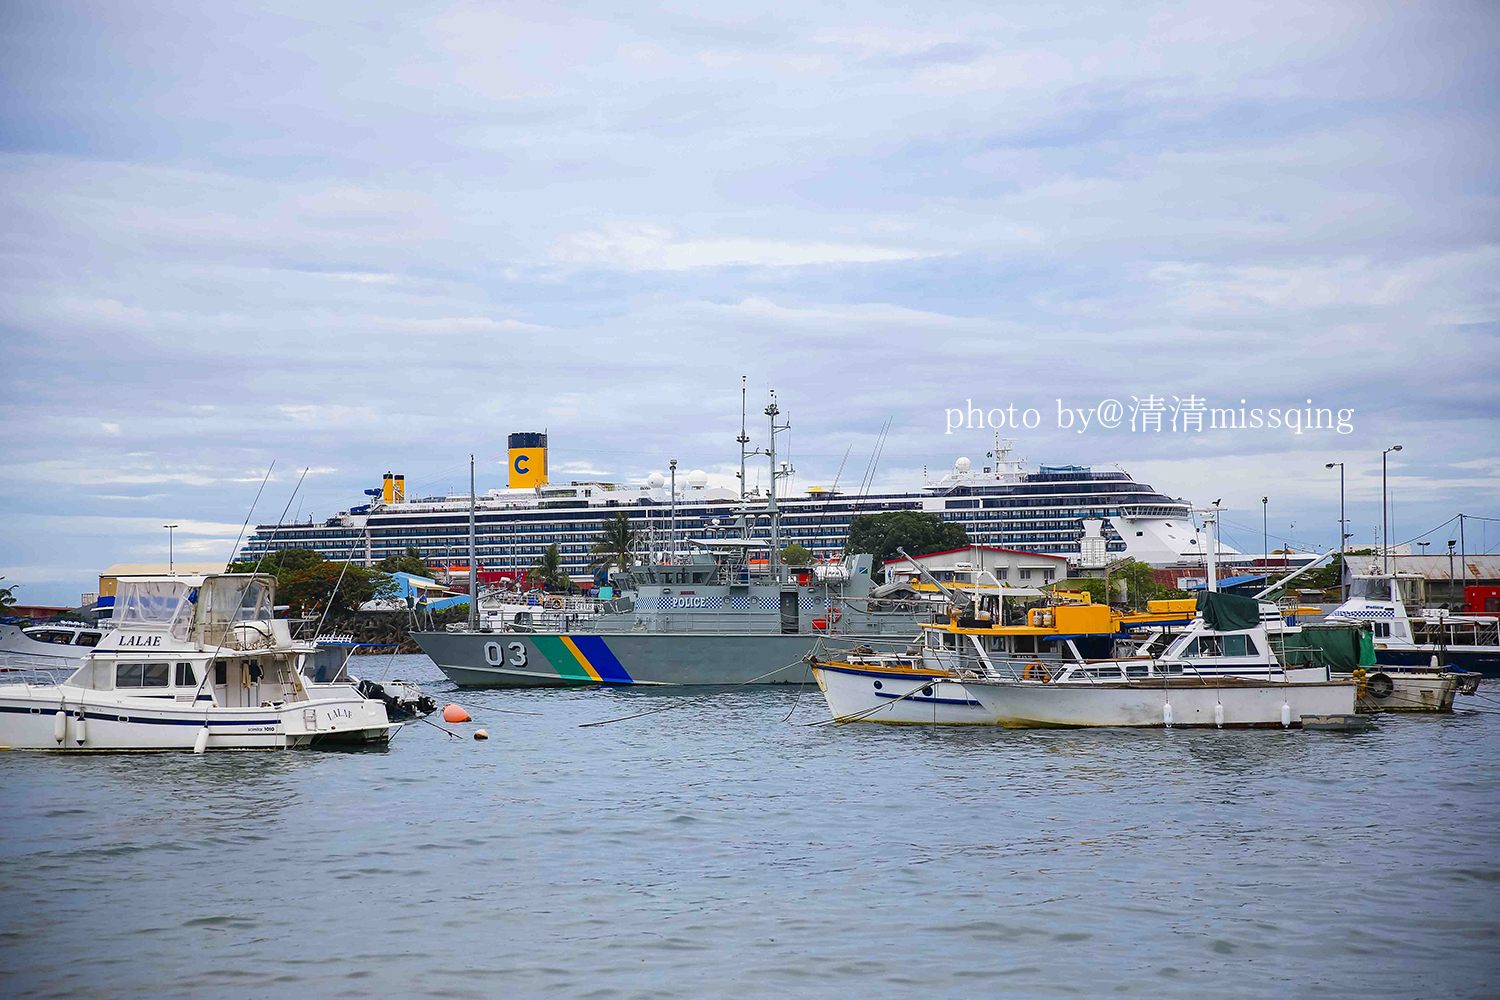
pixel 726 847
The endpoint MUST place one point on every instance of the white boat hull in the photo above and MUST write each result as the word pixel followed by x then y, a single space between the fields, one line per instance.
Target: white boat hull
pixel 28 721
pixel 910 699
pixel 901 700
pixel 1411 691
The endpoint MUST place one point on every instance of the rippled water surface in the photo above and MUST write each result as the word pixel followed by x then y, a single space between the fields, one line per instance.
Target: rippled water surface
pixel 722 848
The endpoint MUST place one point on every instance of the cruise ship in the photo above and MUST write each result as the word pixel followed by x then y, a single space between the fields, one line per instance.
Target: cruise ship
pixel 1089 516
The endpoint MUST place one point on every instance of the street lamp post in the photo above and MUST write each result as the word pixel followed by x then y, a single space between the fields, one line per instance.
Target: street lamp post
pixel 1385 529
pixel 1265 536
pixel 170 562
pixel 1451 581
pixel 1343 525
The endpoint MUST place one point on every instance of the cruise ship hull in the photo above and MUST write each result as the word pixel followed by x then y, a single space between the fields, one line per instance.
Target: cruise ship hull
pixel 518 659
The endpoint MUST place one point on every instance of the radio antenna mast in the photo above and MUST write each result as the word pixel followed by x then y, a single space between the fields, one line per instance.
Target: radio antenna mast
pixel 743 439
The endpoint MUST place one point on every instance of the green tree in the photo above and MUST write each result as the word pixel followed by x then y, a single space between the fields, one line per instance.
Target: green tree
pixel 310 590
pixel 281 563
pixel 7 596
pixel 796 555
pixel 918 533
pixel 615 546
pixel 409 561
pixel 548 570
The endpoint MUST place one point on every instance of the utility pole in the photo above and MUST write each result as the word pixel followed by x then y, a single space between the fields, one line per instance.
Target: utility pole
pixel 1385 523
pixel 1463 560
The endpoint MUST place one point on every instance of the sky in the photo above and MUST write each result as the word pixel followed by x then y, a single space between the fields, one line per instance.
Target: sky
pixel 364 237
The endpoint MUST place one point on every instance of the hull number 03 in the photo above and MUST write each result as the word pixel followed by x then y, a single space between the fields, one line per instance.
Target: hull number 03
pixel 495 656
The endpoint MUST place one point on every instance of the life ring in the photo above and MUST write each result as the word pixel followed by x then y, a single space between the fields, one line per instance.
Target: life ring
pixel 1036 671
pixel 1380 686
pixel 835 615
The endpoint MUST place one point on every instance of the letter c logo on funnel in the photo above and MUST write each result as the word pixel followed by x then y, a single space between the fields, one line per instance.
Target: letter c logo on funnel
pixel 520 468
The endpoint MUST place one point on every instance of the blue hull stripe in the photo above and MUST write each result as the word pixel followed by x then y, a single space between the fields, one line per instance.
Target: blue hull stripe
pixel 115 717
pixel 602 660
pixel 918 699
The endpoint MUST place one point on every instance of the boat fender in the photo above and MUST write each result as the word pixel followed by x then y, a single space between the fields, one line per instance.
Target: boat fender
pixel 1286 716
pixel 1380 686
pixel 80 732
pixel 60 725
pixel 1218 715
pixel 1166 714
pixel 200 744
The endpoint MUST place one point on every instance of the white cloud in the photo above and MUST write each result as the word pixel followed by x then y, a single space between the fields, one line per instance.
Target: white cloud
pixel 653 248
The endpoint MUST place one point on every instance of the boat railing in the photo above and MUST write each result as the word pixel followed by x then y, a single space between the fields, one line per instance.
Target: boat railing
pixel 21 668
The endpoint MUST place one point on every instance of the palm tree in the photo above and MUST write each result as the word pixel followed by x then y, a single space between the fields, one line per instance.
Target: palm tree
pixel 548 569
pixel 613 547
pixel 7 596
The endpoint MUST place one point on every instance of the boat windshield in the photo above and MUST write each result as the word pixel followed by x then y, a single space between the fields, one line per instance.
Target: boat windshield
pixel 237 599
pixel 145 603
pixel 1370 588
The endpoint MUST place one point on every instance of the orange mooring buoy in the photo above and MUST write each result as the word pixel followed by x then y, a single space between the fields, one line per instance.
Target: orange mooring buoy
pixel 452 713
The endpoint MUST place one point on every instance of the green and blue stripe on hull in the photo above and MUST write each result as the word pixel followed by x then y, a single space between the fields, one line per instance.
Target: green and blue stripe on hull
pixel 581 659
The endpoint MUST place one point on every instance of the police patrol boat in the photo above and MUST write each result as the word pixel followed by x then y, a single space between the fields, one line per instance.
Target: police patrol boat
pixel 713 615
pixel 1220 671
pixel 193 663
pixel 1469 643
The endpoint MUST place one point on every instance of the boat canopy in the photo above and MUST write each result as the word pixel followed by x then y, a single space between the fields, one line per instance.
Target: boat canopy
pixel 1228 612
pixel 153 602
pixel 1342 647
pixel 236 597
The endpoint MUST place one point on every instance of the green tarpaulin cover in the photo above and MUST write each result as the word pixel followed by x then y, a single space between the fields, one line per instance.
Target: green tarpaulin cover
pixel 1341 647
pixel 1226 612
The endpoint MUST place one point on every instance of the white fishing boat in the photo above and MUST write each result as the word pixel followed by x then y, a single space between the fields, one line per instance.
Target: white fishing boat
pixel 194 663
pixel 1222 670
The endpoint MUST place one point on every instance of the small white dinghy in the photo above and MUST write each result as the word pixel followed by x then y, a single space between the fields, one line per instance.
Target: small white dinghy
pixel 194 663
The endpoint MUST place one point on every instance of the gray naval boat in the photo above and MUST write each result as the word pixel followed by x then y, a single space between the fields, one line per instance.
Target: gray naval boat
pixel 713 617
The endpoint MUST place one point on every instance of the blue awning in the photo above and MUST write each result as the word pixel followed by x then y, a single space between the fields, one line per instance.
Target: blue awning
pixel 1228 581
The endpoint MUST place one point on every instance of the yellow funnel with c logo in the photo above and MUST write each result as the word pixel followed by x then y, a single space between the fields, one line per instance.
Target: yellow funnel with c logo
pixel 528 461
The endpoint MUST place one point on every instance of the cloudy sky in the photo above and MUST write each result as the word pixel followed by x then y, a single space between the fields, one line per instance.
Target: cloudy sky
pixel 359 237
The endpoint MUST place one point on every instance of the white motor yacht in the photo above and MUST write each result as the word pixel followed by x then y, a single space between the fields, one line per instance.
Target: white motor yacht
pixel 56 647
pixel 193 663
